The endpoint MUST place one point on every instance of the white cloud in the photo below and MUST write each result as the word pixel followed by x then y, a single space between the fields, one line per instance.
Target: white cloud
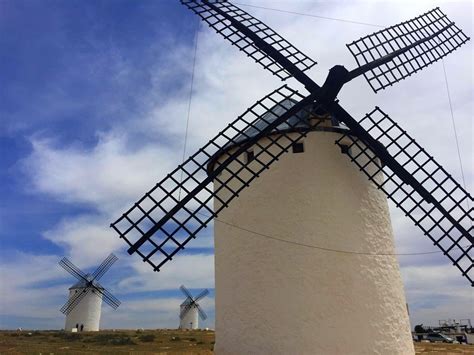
pixel 86 238
pixel 107 176
pixel 27 290
pixel 194 271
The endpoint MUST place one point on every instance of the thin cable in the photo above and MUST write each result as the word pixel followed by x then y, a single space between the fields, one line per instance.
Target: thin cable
pixel 196 36
pixel 310 15
pixel 455 133
pixel 315 246
pixel 322 248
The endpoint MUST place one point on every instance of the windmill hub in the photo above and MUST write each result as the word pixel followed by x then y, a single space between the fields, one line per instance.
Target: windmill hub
pixel 335 80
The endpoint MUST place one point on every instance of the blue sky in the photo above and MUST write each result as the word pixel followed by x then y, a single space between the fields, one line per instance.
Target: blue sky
pixel 93 108
pixel 59 66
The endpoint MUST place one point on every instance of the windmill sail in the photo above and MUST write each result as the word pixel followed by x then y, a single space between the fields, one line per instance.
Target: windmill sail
pixel 186 293
pixel 74 301
pixel 251 36
pixel 160 224
pixel 110 299
pixel 203 294
pixel 72 269
pixel 201 312
pixel 443 213
pixel 390 55
pixel 104 267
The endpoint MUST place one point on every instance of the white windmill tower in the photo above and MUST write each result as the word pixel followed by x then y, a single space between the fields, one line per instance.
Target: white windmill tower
pixel 83 308
pixel 190 310
pixel 304 251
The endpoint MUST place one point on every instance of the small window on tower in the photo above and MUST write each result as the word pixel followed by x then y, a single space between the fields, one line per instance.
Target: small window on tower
pixel 298 147
pixel 250 156
pixel 345 149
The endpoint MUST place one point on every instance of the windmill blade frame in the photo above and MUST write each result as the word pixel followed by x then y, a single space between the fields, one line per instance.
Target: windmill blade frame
pixel 108 298
pixel 201 295
pixel 253 37
pixel 201 312
pixel 396 52
pixel 74 301
pixel 176 225
pixel 104 267
pixel 186 292
pixel 67 265
pixel 442 218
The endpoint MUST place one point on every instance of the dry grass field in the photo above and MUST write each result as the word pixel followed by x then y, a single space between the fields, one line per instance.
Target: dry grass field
pixel 145 342
pixel 443 349
pixel 107 342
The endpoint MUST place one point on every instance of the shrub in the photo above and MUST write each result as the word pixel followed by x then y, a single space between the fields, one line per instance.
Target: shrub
pixel 110 339
pixel 122 340
pixel 68 336
pixel 175 339
pixel 146 338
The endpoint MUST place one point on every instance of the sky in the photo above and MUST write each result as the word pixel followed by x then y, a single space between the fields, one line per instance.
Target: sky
pixel 93 107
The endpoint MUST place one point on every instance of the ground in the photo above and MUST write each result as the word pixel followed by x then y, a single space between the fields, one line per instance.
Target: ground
pixel 107 342
pixel 135 342
pixel 443 349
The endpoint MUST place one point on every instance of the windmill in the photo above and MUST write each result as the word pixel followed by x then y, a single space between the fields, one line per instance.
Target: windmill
pixel 190 309
pixel 83 307
pixel 281 297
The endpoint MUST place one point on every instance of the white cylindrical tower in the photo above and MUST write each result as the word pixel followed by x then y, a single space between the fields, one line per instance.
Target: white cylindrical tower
pixel 190 319
pixel 85 316
pixel 274 297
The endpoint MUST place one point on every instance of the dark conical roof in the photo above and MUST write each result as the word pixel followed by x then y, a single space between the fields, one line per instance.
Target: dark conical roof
pixel 298 120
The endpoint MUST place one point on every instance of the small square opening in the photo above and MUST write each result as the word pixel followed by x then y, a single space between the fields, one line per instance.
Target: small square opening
pixel 298 147
pixel 250 156
pixel 345 149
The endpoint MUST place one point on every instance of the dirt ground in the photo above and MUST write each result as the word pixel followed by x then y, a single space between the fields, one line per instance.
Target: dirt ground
pixel 146 342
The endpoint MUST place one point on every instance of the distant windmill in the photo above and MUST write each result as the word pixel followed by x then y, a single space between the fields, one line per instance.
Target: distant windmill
pixel 83 307
pixel 283 298
pixel 190 309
